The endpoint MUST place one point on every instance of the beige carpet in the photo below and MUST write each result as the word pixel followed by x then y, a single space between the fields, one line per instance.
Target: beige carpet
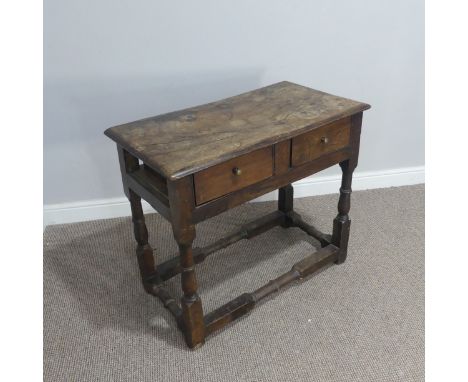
pixel 360 321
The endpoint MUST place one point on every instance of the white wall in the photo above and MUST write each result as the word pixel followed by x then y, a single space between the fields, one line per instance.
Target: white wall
pixel 112 61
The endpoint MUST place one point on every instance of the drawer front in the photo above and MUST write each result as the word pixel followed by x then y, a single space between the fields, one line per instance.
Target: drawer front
pixel 323 140
pixel 233 175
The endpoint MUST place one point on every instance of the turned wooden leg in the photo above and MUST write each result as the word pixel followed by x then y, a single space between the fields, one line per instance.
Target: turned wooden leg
pixel 342 222
pixel 181 199
pixel 144 251
pixel 285 203
pixel 192 310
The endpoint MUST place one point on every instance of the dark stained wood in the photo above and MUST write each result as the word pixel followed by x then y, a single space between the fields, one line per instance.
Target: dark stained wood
pixel 243 304
pixel 263 224
pixel 315 261
pixel 187 141
pixel 285 203
pixel 159 182
pixel 303 268
pixel 282 156
pixel 236 198
pixel 342 222
pixel 171 267
pixel 182 202
pixel 141 184
pixel 323 140
pixel 356 124
pixel 144 182
pixel 227 313
pixel 233 175
pixel 128 164
pixel 203 161
pixel 169 302
pixel 143 178
pixel 144 251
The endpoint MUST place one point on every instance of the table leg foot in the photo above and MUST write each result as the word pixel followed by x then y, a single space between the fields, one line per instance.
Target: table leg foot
pixel 193 325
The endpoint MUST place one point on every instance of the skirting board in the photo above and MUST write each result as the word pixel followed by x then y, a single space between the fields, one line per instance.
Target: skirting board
pixel 315 185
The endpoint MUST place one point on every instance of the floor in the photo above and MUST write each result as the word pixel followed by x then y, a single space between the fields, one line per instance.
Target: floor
pixel 359 321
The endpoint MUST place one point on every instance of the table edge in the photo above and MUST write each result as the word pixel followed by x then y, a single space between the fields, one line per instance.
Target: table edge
pixel 190 170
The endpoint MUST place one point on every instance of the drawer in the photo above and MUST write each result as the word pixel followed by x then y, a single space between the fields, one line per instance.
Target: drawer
pixel 320 141
pixel 233 175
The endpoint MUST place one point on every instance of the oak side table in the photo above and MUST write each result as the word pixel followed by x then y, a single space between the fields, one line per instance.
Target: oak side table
pixel 193 164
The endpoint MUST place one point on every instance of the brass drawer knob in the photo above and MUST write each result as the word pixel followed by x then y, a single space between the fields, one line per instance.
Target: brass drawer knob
pixel 324 140
pixel 236 171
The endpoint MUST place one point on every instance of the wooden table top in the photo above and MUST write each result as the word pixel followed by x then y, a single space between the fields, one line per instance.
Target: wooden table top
pixel 183 142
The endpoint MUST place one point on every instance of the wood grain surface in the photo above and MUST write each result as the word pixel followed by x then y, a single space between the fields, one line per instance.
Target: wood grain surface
pixel 184 142
pixel 320 141
pixel 221 179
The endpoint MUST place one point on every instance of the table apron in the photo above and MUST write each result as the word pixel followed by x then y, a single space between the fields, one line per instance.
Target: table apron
pixel 294 174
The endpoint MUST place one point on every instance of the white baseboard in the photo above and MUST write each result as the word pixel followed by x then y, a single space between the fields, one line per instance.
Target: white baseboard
pixel 315 185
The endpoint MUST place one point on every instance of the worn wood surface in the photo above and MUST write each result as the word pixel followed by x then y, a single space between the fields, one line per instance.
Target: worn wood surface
pixel 172 267
pixel 320 141
pixel 169 302
pixel 233 174
pixel 342 222
pixel 282 156
pixel 203 161
pixel 181 201
pixel 184 142
pixel 286 203
pixel 144 251
pixel 243 304
pixel 226 202
pixel 128 164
